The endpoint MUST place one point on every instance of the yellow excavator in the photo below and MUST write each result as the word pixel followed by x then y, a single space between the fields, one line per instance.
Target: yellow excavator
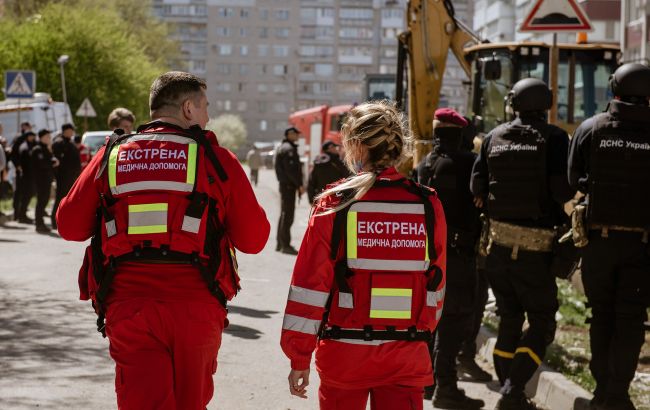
pixel 492 68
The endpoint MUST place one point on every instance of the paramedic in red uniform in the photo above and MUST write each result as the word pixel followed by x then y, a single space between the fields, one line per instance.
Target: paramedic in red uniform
pixel 368 285
pixel 163 323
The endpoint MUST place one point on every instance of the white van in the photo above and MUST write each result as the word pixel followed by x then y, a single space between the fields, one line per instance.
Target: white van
pixel 40 111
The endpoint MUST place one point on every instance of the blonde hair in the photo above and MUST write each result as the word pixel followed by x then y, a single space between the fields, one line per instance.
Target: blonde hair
pixel 380 128
pixel 118 115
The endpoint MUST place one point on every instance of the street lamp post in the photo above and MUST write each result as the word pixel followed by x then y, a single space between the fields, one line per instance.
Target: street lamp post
pixel 62 61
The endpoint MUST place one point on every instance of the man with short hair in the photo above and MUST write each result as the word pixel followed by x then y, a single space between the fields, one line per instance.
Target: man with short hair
pixel 288 169
pixel 121 118
pixel 69 157
pixel 164 282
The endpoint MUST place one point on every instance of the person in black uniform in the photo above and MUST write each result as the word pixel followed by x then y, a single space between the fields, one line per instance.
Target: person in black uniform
pixel 67 154
pixel 14 156
pixel 520 174
pixel 288 169
pixel 43 170
pixel 328 168
pixel 610 162
pixel 447 169
pixel 26 177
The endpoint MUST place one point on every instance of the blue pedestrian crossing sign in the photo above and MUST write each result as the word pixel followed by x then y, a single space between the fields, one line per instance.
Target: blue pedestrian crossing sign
pixel 20 84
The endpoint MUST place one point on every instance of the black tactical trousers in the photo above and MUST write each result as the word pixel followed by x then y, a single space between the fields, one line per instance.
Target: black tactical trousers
pixel 469 344
pixel 26 193
pixel 43 189
pixel 524 288
pixel 457 320
pixel 287 210
pixel 63 186
pixel 616 277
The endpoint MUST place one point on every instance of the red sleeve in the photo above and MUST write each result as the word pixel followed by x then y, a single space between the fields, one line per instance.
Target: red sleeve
pixel 245 220
pixel 440 243
pixel 310 288
pixel 76 216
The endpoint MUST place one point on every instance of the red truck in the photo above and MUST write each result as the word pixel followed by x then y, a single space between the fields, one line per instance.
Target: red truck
pixel 319 124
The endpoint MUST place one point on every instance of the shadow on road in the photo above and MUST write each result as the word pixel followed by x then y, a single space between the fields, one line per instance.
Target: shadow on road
pixel 46 341
pixel 243 332
pixel 244 311
pixel 10 240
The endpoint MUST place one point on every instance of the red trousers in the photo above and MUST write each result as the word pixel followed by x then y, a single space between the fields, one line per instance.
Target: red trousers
pixel 381 398
pixel 165 353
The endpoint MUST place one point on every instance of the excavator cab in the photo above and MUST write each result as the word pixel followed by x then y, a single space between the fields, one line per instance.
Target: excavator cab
pixel 583 76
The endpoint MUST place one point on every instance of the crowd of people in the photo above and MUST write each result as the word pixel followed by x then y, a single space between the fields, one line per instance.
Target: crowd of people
pixel 36 159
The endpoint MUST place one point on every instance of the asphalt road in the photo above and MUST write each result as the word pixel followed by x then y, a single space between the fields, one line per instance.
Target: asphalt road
pixel 51 356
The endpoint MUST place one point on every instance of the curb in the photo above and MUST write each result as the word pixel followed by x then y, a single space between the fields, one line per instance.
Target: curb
pixel 549 388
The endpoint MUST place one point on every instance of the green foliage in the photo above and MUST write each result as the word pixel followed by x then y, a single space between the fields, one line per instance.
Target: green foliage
pixel 113 59
pixel 230 130
pixel 572 305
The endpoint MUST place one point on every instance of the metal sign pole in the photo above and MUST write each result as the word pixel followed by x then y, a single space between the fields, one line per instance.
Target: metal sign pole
pixel 553 63
pixel 18 118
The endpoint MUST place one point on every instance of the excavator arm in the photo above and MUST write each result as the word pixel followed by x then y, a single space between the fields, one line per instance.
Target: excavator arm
pixel 431 32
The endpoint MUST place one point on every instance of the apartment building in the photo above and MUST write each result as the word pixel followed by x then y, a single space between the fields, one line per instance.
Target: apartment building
pixel 499 20
pixel 635 37
pixel 263 59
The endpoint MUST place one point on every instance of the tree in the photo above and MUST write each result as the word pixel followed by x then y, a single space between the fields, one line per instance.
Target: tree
pixel 230 129
pixel 108 61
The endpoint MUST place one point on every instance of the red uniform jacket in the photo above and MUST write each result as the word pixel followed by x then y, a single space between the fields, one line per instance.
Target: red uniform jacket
pixel 355 364
pixel 245 223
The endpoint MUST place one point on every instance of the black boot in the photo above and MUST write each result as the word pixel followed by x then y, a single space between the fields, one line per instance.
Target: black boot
pixel 515 401
pixel 428 392
pixel 453 398
pixel 469 370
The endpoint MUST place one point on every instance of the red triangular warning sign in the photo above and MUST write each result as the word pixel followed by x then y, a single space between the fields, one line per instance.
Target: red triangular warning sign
pixel 556 15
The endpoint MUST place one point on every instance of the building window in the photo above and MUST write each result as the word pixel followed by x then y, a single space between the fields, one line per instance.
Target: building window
pixel 225 49
pixel 282 32
pixel 356 14
pixel 261 106
pixel 280 88
pixel 327 13
pixel 392 14
pixel 307 68
pixel 243 50
pixel 322 88
pixel 243 13
pixel 262 88
pixel 390 33
pixel 197 66
pixel 282 14
pixel 281 51
pixel 264 14
pixel 263 50
pixel 225 12
pixel 389 52
pixel 307 15
pixel 242 106
pixel 324 33
pixel 243 69
pixel 356 32
pixel 222 31
pixel 264 32
pixel 263 125
pixel 280 125
pixel 279 107
pixel 223 105
pixel 222 87
pixel 280 69
pixel 324 69
pixel 243 32
pixel 222 68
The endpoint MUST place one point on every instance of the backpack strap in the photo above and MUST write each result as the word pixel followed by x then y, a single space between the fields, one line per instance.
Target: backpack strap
pixel 107 151
pixel 199 136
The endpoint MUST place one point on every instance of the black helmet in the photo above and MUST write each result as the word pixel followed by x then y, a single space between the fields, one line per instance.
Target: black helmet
pixel 631 80
pixel 530 94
